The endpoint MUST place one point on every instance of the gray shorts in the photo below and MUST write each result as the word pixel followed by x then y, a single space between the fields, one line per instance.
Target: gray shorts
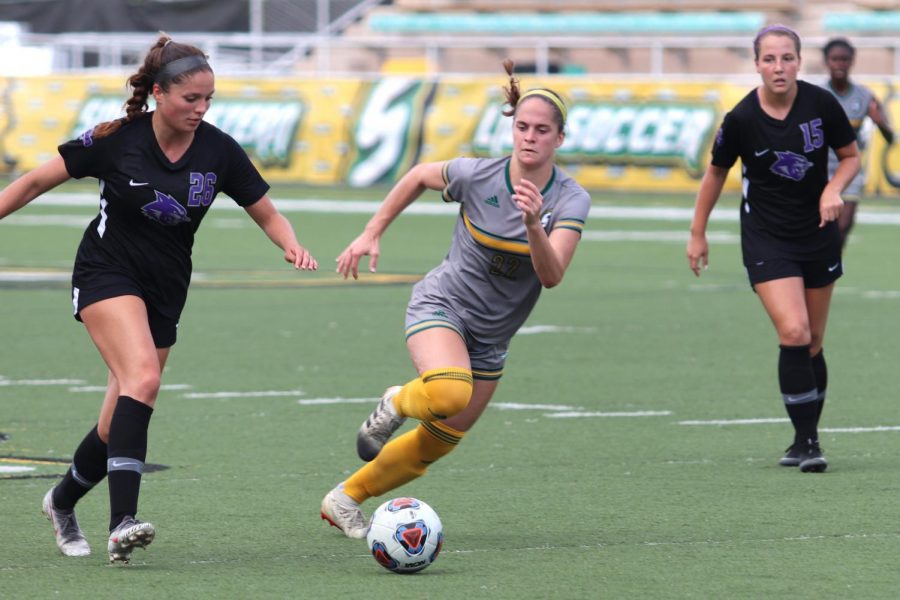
pixel 487 360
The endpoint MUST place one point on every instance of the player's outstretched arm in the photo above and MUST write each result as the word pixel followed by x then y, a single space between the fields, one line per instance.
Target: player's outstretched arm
pixel 280 231
pixel 418 179
pixel 32 184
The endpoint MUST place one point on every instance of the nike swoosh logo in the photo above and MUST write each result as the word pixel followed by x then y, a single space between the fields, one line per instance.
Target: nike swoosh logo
pixel 134 183
pixel 760 153
pixel 832 268
pixel 123 463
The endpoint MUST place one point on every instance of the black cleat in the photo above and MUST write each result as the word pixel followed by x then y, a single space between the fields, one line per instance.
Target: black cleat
pixel 811 458
pixel 792 456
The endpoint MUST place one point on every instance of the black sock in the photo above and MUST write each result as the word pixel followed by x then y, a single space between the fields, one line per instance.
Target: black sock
pixel 88 468
pixel 820 369
pixel 798 390
pixel 127 452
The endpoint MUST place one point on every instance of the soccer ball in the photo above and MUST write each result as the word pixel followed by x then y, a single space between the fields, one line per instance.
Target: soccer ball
pixel 405 535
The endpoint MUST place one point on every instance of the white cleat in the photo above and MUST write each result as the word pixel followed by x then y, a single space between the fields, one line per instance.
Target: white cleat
pixel 379 427
pixel 343 512
pixel 69 537
pixel 130 534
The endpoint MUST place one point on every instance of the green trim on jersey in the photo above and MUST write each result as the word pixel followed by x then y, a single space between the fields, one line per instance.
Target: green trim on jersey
pixel 509 186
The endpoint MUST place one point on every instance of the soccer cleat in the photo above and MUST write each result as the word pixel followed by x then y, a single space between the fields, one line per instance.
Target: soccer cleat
pixel 811 458
pixel 379 427
pixel 69 536
pixel 792 455
pixel 130 534
pixel 342 512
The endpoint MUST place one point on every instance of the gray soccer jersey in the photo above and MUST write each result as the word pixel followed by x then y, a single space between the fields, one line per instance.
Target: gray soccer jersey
pixel 486 284
pixel 856 104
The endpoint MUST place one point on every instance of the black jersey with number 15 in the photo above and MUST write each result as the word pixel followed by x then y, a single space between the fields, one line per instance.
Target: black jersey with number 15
pixel 785 169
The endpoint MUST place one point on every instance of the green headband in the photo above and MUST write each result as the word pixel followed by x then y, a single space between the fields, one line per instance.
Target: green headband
pixel 549 96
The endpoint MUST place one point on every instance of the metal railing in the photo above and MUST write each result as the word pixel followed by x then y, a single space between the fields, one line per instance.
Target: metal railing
pixel 243 54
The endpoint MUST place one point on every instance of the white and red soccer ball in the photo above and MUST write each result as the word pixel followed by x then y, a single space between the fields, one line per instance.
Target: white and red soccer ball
pixel 405 535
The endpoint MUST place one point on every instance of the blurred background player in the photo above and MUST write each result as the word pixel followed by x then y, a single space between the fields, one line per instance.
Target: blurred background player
pixel 791 246
pixel 859 102
pixel 520 221
pixel 159 172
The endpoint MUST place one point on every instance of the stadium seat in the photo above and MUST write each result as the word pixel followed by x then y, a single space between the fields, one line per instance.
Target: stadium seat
pixel 567 22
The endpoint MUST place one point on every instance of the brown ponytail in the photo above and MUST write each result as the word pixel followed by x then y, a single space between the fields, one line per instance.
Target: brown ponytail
pixel 164 51
pixel 514 95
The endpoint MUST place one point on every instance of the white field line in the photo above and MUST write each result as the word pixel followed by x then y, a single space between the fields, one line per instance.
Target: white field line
pixel 720 237
pixel 252 394
pixel 323 401
pixel 39 382
pixel 766 421
pixel 637 413
pixel 15 469
pixel 535 329
pixel 171 387
pixel 735 421
pixel 860 429
pixel 317 205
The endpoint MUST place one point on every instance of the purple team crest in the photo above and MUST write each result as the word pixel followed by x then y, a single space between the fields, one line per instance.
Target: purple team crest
pixel 87 138
pixel 165 210
pixel 790 165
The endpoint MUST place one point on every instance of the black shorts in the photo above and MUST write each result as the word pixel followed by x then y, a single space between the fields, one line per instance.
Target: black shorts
pixel 112 285
pixel 815 273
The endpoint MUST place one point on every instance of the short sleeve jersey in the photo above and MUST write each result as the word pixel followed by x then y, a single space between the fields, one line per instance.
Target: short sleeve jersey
pixel 150 207
pixel 855 102
pixel 487 276
pixel 784 170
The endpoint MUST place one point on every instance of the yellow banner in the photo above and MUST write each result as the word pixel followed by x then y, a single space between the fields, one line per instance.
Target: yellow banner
pixel 621 136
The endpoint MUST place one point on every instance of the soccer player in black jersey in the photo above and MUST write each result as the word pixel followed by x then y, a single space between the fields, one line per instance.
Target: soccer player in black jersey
pixel 159 172
pixel 791 246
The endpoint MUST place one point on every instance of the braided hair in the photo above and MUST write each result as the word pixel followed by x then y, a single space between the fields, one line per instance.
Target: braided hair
pixel 163 52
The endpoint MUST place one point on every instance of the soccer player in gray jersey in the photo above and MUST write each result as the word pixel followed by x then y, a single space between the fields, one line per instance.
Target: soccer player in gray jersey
pixel 519 223
pixel 859 102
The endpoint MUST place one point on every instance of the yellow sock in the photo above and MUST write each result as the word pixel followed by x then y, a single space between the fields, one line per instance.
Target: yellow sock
pixel 437 394
pixel 402 459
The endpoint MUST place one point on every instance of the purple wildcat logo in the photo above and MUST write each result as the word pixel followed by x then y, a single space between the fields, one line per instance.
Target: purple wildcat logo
pixel 87 138
pixel 790 165
pixel 165 210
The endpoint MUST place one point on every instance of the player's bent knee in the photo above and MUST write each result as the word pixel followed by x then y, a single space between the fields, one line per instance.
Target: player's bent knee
pixel 448 390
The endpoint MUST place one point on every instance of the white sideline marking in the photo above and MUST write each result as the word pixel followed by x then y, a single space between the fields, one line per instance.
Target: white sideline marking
pixel 15 469
pixel 637 413
pixel 321 401
pixel 721 237
pixel 735 421
pixel 35 276
pixel 79 222
pixel 781 420
pixel 860 429
pixel 259 394
pixel 39 382
pixel 882 294
pixel 533 329
pixel 171 387
pixel 523 406
pixel 319 205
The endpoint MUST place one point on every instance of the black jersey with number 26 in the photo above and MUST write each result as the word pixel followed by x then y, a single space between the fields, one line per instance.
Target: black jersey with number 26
pixel 785 169
pixel 150 207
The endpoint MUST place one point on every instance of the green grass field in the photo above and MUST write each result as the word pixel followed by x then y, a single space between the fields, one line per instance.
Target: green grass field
pixel 599 472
